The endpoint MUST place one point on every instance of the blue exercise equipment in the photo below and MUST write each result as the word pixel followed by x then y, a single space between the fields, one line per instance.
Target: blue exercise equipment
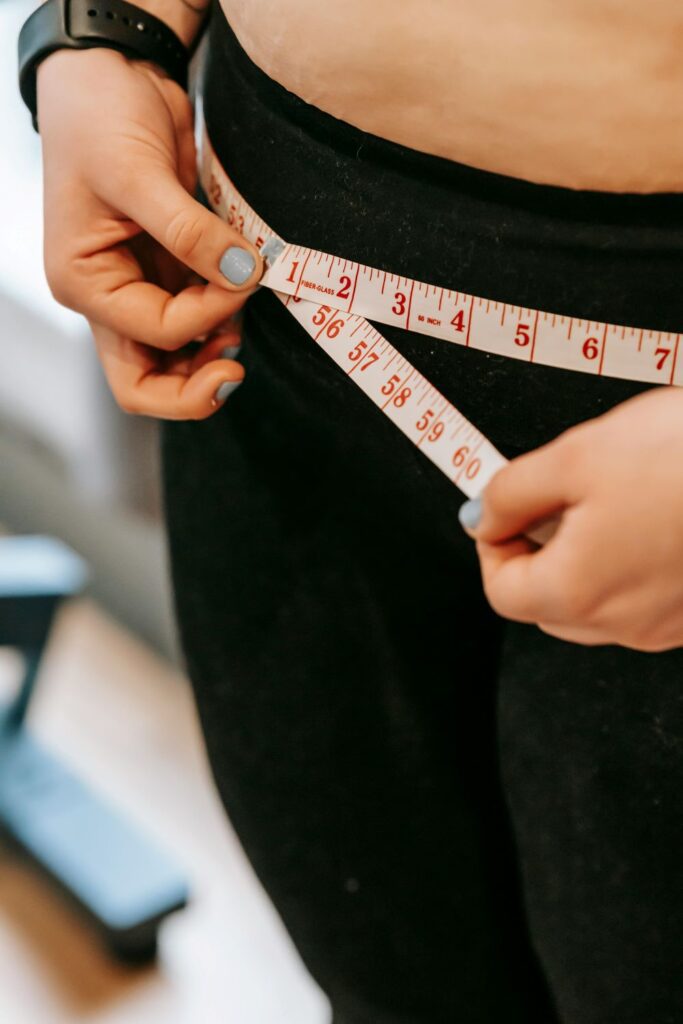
pixel 106 867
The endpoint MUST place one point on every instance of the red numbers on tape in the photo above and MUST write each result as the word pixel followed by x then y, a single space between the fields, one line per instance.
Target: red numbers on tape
pixel 590 348
pixel 399 306
pixel 425 420
pixel 396 390
pixel 214 190
pixel 402 397
pixel 522 337
pixel 371 358
pixel 662 353
pixel 391 384
pixel 434 429
pixel 292 273
pixel 606 349
pixel 320 316
pixel 234 218
pixel 297 273
pixel 458 320
pixel 460 459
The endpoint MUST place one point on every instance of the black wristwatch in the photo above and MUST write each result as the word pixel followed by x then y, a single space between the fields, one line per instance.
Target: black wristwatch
pixel 81 24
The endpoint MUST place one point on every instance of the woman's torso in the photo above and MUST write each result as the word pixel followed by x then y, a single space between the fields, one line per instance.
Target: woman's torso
pixel 586 94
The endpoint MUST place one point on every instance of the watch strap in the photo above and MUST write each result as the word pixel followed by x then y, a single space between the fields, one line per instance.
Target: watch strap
pixel 83 24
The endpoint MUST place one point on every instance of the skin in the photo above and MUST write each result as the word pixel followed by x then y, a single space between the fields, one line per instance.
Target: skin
pixel 611 573
pixel 128 246
pixel 583 93
pixel 124 241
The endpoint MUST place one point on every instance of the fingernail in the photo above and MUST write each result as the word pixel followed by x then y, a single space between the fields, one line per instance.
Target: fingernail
pixel 225 389
pixel 237 264
pixel 469 513
pixel 230 352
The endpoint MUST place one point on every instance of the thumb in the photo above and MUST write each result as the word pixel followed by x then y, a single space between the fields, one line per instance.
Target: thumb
pixel 196 236
pixel 528 489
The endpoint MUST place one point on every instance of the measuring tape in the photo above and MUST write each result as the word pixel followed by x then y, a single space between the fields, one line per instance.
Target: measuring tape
pixel 334 298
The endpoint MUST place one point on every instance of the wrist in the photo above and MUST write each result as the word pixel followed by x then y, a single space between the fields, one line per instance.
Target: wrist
pixel 135 32
pixel 71 68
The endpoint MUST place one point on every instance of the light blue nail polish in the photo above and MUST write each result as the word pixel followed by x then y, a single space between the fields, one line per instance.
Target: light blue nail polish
pixel 237 264
pixel 230 352
pixel 469 513
pixel 225 389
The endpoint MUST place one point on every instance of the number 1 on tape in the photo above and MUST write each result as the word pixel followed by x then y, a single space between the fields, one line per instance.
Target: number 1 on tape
pixel 330 297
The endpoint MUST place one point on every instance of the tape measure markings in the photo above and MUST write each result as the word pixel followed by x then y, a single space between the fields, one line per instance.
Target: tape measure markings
pixel 476 322
pixel 441 432
pixel 399 389
pixel 471 474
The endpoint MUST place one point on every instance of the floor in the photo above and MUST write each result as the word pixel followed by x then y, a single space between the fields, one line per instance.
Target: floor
pixel 124 719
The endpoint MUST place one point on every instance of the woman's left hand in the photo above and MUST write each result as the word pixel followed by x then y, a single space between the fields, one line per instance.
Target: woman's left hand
pixel 613 571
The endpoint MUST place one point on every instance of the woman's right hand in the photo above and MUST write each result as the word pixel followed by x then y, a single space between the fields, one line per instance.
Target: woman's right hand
pixel 125 242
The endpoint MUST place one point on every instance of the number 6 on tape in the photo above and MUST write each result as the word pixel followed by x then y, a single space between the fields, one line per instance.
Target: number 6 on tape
pixel 397 388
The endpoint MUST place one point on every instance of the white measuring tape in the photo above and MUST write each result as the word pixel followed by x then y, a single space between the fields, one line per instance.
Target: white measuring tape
pixel 333 299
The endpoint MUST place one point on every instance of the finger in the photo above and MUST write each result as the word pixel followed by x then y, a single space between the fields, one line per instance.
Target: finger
pixel 232 325
pixel 157 201
pixel 182 112
pixel 159 266
pixel 586 636
pixel 553 583
pixel 141 387
pixel 224 345
pixel 105 280
pixel 526 490
pixel 512 583
pixel 113 292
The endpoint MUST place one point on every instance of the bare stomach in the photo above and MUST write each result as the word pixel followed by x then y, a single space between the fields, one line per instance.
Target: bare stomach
pixel 585 94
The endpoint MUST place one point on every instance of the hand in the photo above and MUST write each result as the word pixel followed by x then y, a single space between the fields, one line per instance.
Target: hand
pixel 178 385
pixel 613 571
pixel 125 241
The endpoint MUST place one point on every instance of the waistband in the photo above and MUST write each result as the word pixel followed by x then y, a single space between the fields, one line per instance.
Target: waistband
pixel 323 183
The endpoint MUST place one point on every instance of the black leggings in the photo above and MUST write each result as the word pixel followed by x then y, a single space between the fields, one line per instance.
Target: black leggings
pixel 459 818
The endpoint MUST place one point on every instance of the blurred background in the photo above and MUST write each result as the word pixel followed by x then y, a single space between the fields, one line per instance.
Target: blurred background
pixel 109 821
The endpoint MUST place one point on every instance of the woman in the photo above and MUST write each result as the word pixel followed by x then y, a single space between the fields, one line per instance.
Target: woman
pixel 455 766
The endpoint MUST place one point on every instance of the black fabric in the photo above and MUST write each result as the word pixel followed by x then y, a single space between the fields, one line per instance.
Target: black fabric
pixel 459 819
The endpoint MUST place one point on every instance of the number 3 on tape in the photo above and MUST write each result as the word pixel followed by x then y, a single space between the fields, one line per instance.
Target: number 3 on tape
pixel 333 299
